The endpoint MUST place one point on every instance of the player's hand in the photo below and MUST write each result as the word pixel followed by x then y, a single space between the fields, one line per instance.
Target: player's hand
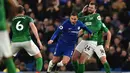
pixel 84 9
pixel 41 47
pixel 50 41
pixel 107 47
pixel 85 36
pixel 40 44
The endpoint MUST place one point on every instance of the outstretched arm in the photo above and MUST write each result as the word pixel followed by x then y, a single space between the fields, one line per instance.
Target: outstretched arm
pixel 35 32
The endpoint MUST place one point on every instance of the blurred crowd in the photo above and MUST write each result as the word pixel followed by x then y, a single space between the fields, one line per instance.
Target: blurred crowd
pixel 48 14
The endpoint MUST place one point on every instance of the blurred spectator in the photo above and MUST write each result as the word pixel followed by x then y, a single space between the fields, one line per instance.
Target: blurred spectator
pixel 107 22
pixel 103 12
pixel 45 66
pixel 20 2
pixel 67 9
pixel 126 65
pixel 41 12
pixel 117 42
pixel 28 10
pixel 23 67
pixel 52 10
pixel 32 15
pixel 126 36
pixel 115 22
pixel 78 5
pixel 119 5
pixel 110 57
pixel 121 29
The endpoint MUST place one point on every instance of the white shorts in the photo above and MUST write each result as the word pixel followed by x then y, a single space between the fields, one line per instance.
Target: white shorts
pixel 5 49
pixel 100 51
pixel 29 46
pixel 89 47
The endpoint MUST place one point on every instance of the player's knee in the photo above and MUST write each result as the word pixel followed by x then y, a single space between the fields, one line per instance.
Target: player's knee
pixel 74 58
pixel 103 59
pixel 38 55
pixel 82 60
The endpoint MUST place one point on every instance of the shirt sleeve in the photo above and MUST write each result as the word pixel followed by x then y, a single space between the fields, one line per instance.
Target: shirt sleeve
pixel 30 20
pixel 85 28
pixel 59 29
pixel 98 19
pixel 104 28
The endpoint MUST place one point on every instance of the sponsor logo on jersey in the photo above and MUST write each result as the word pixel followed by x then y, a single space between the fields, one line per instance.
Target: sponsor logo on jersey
pixel 91 18
pixel 74 32
pixel 88 23
pixel 99 17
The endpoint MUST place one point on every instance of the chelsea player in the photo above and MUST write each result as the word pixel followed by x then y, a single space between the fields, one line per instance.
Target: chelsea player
pixel 68 32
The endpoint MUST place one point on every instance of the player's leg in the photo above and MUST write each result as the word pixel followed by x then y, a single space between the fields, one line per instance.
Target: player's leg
pixel 102 56
pixel 86 54
pixel 67 54
pixel 39 62
pixel 64 61
pixel 77 52
pixel 15 47
pixel 52 63
pixel 6 51
pixel 75 59
pixel 57 53
pixel 82 60
pixel 33 50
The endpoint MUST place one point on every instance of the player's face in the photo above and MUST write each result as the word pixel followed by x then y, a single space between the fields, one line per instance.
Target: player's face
pixel 91 8
pixel 73 19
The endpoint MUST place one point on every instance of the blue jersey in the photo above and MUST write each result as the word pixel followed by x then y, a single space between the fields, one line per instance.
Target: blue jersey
pixel 69 32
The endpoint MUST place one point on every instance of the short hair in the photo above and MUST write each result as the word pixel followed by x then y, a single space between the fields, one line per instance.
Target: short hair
pixel 93 3
pixel 20 9
pixel 74 13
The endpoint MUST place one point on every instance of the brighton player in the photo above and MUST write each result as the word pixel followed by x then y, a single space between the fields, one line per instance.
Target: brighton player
pixel 87 47
pixel 21 37
pixel 5 50
pixel 68 37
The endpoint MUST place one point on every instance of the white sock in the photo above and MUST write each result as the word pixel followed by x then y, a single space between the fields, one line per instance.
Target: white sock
pixel 60 63
pixel 51 65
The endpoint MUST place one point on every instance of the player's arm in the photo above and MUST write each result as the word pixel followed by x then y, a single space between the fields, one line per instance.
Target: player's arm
pixel 13 3
pixel 81 14
pixel 56 33
pixel 108 33
pixel 108 39
pixel 12 9
pixel 80 33
pixel 35 32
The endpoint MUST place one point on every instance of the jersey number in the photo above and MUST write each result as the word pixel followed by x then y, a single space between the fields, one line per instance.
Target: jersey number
pixel 19 26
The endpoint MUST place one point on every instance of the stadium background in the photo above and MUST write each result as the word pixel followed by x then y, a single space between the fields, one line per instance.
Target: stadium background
pixel 50 13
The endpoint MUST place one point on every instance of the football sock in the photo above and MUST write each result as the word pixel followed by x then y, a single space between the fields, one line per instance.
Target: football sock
pixel 107 67
pixel 81 68
pixel 10 65
pixel 75 66
pixel 39 64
